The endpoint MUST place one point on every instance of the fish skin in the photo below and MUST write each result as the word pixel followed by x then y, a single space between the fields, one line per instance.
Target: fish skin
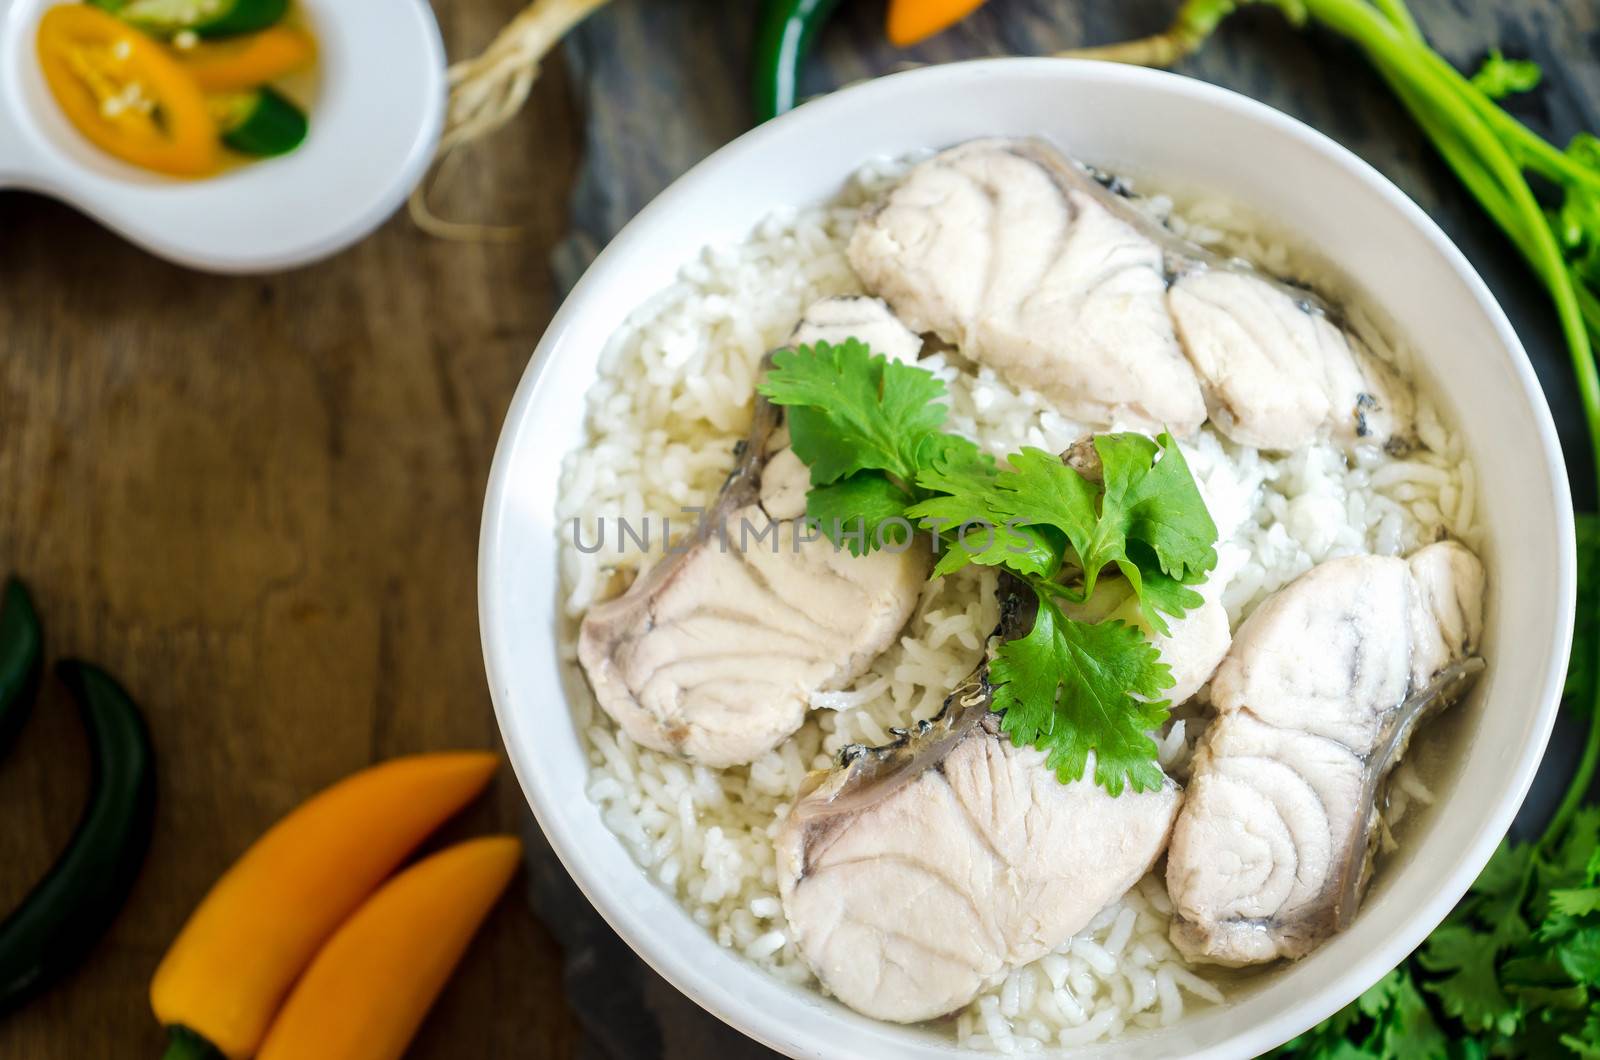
pixel 917 874
pixel 1316 703
pixel 713 653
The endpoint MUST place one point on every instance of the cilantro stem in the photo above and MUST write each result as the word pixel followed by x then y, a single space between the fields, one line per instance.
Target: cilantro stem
pixel 1193 25
pixel 1461 161
pixel 1533 150
pixel 1577 789
pixel 1400 16
pixel 1528 146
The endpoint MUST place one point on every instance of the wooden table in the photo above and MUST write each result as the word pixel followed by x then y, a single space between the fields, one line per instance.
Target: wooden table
pixel 257 500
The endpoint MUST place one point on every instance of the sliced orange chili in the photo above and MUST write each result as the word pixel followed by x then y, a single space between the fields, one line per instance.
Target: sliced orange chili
pixel 911 21
pixel 125 93
pixel 238 63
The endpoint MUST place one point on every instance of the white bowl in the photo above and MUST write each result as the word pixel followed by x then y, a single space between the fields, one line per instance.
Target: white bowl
pixel 1126 119
pixel 375 117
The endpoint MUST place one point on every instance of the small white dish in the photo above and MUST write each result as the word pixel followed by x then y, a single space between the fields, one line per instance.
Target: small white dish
pixel 375 119
pixel 1166 129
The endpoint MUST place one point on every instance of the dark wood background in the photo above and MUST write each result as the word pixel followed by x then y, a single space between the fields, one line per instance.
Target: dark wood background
pixel 256 500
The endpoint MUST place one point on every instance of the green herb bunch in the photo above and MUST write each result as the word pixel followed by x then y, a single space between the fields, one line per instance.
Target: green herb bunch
pixel 871 432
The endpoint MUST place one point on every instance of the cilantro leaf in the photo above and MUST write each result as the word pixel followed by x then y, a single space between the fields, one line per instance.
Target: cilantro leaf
pixel 1165 595
pixel 1014 505
pixel 855 512
pixel 991 542
pixel 1503 875
pixel 1544 989
pixel 1159 503
pixel 1576 902
pixel 1074 688
pixel 982 533
pixel 851 410
pixel 1586 1043
pixel 1584 1050
pixel 1471 991
pixel 1329 1047
pixel 1580 956
pixel 869 430
pixel 1154 511
pixel 1038 489
pixel 1499 77
pixel 1496 896
pixel 1570 862
pixel 1148 519
pixel 1411 1031
pixel 1541 1001
pixel 1380 997
pixel 949 463
pixel 1391 1019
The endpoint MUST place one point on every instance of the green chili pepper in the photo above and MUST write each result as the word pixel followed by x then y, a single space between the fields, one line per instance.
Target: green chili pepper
pixel 185 1044
pixel 68 910
pixel 21 648
pixel 784 36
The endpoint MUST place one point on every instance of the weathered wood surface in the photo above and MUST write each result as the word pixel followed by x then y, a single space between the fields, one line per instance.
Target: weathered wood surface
pixel 649 120
pixel 256 501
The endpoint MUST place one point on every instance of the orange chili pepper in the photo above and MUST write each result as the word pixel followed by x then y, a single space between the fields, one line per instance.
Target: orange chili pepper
pixel 911 21
pixel 366 992
pixel 125 93
pixel 238 63
pixel 235 960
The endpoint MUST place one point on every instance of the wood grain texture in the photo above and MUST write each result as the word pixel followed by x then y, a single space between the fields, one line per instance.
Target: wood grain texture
pixel 256 501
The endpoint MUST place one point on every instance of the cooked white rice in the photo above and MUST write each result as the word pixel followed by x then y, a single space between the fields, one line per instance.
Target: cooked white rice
pixel 672 399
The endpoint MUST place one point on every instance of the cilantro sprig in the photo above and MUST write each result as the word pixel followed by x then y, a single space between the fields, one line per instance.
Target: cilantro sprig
pixel 1145 518
pixel 871 432
pixel 1074 687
